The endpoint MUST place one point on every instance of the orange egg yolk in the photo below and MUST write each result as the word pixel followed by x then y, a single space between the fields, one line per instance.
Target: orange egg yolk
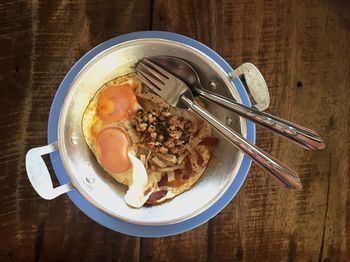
pixel 116 103
pixel 112 150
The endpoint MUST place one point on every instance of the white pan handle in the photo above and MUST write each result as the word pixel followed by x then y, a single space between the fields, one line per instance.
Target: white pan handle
pixel 39 175
pixel 256 84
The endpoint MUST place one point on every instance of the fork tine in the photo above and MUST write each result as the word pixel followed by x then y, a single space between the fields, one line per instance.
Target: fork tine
pixel 155 81
pixel 144 69
pixel 148 83
pixel 154 72
pixel 158 68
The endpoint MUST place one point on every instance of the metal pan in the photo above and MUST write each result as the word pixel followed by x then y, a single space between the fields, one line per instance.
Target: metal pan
pixel 81 166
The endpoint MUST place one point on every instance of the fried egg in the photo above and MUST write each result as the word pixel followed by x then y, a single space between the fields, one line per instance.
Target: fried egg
pixel 106 126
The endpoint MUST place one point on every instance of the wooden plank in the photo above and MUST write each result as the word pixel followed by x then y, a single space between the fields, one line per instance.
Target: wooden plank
pixel 14 76
pixel 40 41
pixel 300 48
pixel 183 17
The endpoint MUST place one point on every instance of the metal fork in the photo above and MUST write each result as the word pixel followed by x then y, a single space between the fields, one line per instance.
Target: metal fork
pixel 178 94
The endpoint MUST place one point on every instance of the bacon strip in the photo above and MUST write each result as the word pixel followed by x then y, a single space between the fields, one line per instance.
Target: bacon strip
pixel 156 196
pixel 209 141
pixel 163 181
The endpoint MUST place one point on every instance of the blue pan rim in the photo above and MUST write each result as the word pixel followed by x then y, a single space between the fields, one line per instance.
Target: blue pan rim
pixel 113 223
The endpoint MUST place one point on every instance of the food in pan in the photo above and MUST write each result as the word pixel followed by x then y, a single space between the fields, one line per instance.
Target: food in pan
pixel 174 145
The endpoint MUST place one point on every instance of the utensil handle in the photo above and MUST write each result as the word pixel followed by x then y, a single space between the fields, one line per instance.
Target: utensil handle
pixel 302 136
pixel 277 169
pixel 39 175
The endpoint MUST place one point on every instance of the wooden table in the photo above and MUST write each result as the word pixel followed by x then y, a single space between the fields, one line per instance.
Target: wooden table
pixel 302 49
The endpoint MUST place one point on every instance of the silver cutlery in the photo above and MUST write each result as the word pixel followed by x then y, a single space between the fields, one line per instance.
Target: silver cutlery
pixel 302 136
pixel 178 94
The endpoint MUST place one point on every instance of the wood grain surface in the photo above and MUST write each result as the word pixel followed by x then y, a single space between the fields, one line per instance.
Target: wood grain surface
pixel 302 49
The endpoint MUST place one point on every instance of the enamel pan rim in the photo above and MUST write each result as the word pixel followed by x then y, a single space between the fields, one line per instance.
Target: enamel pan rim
pixel 114 223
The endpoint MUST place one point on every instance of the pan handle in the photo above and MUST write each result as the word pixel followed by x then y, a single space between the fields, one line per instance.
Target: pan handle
pixel 256 84
pixel 39 175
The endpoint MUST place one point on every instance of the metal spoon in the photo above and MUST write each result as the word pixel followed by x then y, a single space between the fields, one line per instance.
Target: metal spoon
pixel 302 136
